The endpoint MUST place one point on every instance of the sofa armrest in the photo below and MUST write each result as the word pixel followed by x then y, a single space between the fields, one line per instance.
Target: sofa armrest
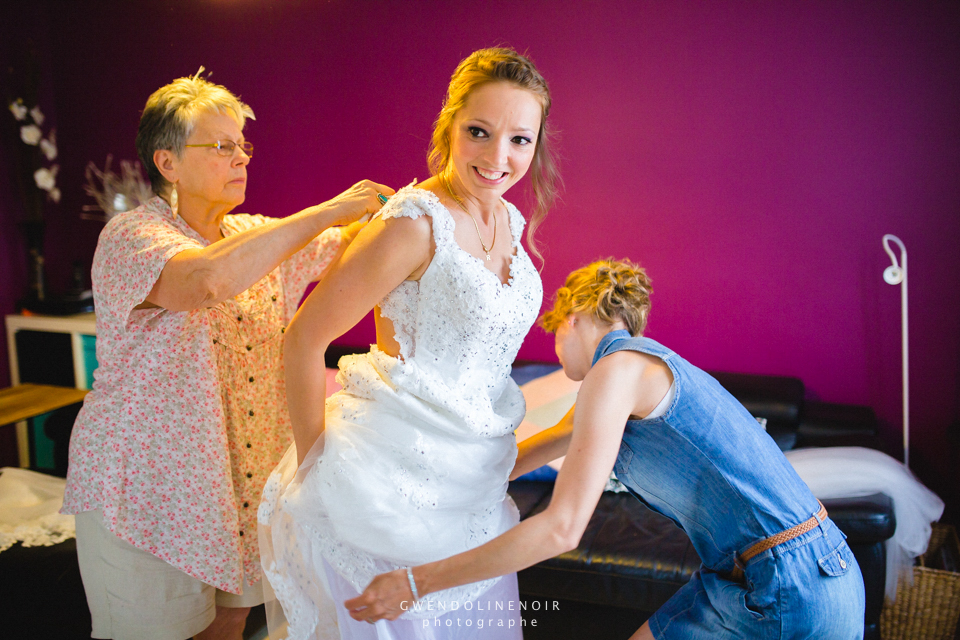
pixel 865 519
pixel 776 398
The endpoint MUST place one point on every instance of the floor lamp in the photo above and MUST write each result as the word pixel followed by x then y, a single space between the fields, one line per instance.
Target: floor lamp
pixel 897 274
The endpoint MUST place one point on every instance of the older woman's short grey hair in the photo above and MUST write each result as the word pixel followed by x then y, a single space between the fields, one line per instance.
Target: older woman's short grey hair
pixel 171 113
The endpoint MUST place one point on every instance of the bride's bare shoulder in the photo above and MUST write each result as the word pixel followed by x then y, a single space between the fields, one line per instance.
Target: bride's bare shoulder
pixel 405 228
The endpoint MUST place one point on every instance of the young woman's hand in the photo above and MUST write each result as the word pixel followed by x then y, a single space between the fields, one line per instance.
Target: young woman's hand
pixel 387 596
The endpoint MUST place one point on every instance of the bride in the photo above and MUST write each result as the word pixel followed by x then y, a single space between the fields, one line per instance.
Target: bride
pixel 409 462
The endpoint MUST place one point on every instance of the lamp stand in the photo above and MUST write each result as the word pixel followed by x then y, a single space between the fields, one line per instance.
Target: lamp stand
pixel 897 274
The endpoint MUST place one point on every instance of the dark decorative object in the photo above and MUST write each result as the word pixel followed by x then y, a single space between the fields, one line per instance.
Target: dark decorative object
pixel 114 193
pixel 78 299
pixel 33 230
pixel 34 146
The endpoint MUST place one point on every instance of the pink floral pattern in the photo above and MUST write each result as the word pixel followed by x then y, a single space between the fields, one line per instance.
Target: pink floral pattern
pixel 187 416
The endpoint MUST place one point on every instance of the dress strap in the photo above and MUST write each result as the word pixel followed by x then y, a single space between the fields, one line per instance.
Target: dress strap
pixel 413 202
pixel 517 222
pixel 443 223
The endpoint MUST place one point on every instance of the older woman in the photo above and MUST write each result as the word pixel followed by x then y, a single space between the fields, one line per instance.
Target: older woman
pixel 187 417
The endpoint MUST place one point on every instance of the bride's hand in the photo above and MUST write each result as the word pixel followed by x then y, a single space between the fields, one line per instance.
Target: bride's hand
pixel 387 596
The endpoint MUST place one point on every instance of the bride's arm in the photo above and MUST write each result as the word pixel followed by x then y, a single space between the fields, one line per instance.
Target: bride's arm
pixel 384 254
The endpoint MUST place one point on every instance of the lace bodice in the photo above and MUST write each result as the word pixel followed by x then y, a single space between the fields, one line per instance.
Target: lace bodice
pixel 459 325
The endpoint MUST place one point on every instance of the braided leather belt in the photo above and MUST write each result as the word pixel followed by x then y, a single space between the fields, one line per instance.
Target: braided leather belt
pixel 769 543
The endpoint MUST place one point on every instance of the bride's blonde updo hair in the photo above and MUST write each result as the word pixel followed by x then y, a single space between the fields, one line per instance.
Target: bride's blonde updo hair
pixel 498 64
pixel 609 289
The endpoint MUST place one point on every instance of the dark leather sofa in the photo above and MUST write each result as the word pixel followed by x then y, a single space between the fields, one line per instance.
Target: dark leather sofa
pixel 634 559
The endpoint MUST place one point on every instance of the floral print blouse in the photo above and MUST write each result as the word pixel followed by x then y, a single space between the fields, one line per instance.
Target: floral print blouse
pixel 187 416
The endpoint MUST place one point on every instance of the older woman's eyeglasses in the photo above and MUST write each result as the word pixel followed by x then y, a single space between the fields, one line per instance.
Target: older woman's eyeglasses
pixel 226 148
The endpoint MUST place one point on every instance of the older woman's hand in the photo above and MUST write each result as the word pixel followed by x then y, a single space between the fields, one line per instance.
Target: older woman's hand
pixel 358 201
pixel 387 596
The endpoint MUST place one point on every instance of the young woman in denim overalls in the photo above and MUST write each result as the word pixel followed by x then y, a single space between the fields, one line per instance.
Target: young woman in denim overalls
pixel 774 564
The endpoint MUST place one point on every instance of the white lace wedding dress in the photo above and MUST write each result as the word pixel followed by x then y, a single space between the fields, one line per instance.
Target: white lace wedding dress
pixel 414 460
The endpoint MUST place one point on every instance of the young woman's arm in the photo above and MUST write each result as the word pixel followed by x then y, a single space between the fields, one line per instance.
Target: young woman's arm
pixel 544 447
pixel 383 255
pixel 604 403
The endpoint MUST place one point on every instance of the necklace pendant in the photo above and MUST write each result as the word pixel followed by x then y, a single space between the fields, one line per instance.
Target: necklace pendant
pixel 488 257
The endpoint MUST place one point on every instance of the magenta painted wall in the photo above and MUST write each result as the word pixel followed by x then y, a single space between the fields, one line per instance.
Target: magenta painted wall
pixel 23 37
pixel 750 154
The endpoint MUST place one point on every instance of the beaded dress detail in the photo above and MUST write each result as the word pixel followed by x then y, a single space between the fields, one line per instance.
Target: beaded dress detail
pixel 415 457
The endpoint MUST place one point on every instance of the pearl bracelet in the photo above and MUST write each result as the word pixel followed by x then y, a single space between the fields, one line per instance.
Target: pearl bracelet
pixel 413 585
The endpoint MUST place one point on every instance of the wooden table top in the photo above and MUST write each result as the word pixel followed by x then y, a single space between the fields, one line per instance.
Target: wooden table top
pixel 30 400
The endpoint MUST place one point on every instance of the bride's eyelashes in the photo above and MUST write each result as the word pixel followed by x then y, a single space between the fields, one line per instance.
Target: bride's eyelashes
pixel 478 133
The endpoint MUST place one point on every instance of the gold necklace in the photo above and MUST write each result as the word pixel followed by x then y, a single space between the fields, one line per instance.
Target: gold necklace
pixel 477 226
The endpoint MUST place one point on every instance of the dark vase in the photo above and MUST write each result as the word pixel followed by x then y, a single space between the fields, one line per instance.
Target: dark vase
pixel 33 230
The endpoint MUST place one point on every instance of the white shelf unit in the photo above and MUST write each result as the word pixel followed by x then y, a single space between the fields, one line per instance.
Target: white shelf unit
pixel 82 329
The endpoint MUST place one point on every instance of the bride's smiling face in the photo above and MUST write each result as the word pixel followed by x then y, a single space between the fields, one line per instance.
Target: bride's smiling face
pixel 493 140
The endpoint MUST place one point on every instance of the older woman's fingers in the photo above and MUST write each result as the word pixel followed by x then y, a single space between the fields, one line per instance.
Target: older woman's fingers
pixel 381 192
pixel 368 196
pixel 362 200
pixel 380 188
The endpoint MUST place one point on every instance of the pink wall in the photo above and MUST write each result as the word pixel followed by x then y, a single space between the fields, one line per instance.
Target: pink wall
pixel 751 155
pixel 23 37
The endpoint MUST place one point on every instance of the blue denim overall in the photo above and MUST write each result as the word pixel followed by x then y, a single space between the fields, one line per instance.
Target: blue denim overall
pixel 707 465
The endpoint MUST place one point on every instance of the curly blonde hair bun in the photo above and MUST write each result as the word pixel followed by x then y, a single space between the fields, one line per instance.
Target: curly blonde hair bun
pixel 609 289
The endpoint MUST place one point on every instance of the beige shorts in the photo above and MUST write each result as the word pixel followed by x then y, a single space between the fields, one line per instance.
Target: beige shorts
pixel 133 594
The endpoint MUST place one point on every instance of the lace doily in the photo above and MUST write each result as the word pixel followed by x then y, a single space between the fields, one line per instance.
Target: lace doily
pixel 29 505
